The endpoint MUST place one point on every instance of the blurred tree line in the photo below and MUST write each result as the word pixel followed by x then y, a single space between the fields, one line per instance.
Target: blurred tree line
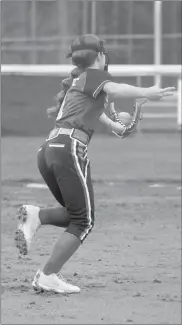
pixel 40 32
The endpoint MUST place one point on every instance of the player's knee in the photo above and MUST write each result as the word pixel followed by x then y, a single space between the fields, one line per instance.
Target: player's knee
pixel 86 232
pixel 82 226
pixel 86 229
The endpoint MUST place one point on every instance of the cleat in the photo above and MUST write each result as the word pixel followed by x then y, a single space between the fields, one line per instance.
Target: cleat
pixel 24 218
pixel 20 242
pixel 29 222
pixel 52 283
pixel 22 212
pixel 35 280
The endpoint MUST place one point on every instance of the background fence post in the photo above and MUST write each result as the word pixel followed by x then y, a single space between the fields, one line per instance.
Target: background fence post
pixel 157 37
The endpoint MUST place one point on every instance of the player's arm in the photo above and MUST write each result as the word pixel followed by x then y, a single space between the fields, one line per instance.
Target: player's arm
pixel 115 90
pixel 112 126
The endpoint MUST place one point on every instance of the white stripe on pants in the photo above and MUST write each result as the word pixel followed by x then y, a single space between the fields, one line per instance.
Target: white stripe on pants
pixel 85 188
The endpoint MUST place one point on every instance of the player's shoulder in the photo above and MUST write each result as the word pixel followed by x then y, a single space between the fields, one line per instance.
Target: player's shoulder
pixel 90 81
pixel 79 81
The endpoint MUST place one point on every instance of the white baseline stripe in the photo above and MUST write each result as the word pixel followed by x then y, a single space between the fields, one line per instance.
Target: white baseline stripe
pixel 84 183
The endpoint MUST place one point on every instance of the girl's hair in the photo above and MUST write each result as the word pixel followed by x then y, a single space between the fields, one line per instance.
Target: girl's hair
pixel 85 49
pixel 84 58
pixel 66 84
pixel 76 72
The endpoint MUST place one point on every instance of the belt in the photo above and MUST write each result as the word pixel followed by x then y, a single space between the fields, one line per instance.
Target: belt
pixel 73 133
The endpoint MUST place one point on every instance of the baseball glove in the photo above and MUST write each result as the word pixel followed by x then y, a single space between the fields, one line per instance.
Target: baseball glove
pixel 136 116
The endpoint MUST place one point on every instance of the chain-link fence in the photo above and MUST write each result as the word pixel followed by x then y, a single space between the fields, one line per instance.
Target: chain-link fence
pixel 39 32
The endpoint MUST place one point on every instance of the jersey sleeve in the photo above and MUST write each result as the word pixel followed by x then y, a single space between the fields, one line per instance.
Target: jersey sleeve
pixel 95 81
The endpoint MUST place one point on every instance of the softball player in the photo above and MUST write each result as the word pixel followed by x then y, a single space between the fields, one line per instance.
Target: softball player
pixel 63 161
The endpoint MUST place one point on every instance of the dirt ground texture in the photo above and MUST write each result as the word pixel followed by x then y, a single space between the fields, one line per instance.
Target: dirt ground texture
pixel 129 267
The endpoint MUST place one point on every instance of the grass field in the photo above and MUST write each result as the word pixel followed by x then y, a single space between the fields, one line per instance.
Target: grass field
pixel 129 267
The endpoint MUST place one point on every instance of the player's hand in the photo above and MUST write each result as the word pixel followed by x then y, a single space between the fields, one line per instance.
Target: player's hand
pixel 156 93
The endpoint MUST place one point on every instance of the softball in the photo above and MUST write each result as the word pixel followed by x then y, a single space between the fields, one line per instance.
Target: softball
pixel 125 118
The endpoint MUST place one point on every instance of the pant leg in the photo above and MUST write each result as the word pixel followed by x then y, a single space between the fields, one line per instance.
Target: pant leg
pixel 91 198
pixel 48 176
pixel 71 169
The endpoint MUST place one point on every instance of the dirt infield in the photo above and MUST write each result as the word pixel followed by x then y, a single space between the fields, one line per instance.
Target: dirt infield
pixel 129 267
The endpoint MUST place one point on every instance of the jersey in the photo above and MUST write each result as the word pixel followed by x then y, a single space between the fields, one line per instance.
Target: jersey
pixel 84 101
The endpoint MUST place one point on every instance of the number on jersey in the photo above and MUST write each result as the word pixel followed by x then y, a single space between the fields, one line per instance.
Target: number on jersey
pixel 74 82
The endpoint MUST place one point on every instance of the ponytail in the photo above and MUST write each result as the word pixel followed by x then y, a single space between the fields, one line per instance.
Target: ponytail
pixel 66 84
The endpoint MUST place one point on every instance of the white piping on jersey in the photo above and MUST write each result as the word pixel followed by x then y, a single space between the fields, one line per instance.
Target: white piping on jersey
pixel 99 87
pixel 85 187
